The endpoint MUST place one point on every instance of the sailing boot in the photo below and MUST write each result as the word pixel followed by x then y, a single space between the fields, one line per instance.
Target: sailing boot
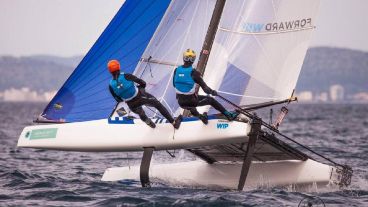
pixel 177 122
pixel 204 118
pixel 150 123
pixel 230 115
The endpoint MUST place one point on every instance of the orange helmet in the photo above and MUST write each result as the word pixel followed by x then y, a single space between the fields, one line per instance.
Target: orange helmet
pixel 113 66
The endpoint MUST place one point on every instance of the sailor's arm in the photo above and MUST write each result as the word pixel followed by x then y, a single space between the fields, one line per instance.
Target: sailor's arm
pixel 141 83
pixel 198 79
pixel 117 98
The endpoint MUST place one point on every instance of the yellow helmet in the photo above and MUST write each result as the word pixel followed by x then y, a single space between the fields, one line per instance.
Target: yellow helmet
pixel 189 56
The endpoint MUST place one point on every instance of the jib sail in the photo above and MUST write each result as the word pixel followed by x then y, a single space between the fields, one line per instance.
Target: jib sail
pixel 84 96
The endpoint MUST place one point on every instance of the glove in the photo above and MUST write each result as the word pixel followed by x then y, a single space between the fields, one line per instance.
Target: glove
pixel 214 93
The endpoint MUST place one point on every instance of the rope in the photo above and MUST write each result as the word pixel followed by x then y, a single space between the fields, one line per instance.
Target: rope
pixel 239 95
pixel 277 132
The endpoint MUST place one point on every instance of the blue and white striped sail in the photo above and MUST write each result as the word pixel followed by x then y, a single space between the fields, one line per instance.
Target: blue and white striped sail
pixel 259 49
pixel 85 95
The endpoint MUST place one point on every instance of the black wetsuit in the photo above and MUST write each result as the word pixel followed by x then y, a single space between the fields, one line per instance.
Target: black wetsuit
pixel 143 98
pixel 190 102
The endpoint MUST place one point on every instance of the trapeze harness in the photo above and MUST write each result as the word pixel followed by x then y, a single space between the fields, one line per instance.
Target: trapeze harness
pixel 129 92
pixel 185 88
pixel 183 81
pixel 124 88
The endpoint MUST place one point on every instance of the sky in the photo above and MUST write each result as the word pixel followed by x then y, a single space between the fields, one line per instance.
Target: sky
pixel 70 27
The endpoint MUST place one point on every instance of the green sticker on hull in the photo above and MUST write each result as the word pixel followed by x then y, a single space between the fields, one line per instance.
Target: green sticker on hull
pixel 43 133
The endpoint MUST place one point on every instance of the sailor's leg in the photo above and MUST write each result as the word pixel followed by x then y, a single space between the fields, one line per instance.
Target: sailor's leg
pixel 139 110
pixel 190 102
pixel 208 100
pixel 163 111
pixel 194 111
pixel 152 101
pixel 203 117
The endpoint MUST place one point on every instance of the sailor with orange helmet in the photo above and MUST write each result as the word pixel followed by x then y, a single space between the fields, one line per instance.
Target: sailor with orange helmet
pixel 123 88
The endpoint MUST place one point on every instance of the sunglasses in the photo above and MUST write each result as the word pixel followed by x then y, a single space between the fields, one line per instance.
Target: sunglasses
pixel 189 59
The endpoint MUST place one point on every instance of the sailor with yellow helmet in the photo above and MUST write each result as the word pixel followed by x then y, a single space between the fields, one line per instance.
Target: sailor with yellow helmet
pixel 185 81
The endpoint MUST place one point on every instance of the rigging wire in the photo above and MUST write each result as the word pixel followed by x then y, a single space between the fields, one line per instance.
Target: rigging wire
pixel 246 113
pixel 172 155
pixel 239 95
pixel 145 67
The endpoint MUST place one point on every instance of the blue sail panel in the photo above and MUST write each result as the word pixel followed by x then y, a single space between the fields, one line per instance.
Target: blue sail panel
pixel 85 95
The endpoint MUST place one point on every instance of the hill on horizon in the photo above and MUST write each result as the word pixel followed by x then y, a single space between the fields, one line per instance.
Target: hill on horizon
pixel 323 67
pixel 72 61
pixel 39 73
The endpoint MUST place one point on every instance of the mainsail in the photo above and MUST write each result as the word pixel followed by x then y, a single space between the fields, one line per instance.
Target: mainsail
pixel 256 56
pixel 259 49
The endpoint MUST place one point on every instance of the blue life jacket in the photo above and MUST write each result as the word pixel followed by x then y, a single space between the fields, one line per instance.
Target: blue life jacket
pixel 124 88
pixel 183 81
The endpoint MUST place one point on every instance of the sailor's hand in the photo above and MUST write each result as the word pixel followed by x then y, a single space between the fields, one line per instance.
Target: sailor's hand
pixel 214 93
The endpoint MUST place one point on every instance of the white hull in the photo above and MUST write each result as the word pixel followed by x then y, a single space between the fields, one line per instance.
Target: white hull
pixel 101 136
pixel 261 174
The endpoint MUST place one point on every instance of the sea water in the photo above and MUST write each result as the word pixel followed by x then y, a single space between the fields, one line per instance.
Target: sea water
pixel 31 177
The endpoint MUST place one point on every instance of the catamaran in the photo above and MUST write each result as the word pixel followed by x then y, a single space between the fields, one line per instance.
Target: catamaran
pixel 251 52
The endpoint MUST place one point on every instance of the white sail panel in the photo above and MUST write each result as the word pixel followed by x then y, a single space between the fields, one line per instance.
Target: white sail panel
pixel 184 26
pixel 259 48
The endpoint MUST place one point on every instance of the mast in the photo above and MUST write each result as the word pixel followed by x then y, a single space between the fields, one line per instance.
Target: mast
pixel 210 36
pixel 208 41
